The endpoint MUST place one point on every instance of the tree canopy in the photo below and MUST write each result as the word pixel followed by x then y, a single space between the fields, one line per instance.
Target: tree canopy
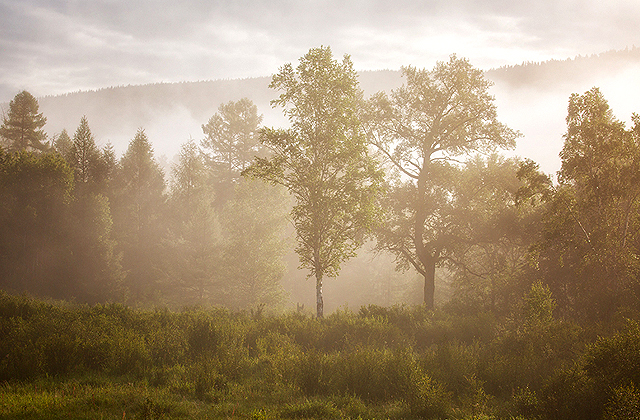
pixel 435 117
pixel 323 161
pixel 589 247
pixel 22 126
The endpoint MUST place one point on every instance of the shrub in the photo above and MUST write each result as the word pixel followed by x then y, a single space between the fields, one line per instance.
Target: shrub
pixel 427 398
pixel 616 360
pixel 167 341
pixel 366 373
pixel 207 381
pixel 202 336
pixel 452 364
pixel 129 353
pixel 314 408
pixel 624 404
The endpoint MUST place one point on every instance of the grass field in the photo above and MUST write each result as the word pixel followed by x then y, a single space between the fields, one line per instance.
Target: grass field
pixel 62 361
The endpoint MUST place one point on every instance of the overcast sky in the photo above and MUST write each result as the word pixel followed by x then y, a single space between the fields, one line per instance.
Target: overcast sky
pixel 56 46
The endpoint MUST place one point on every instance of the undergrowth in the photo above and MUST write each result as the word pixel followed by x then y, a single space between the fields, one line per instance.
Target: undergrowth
pixel 109 361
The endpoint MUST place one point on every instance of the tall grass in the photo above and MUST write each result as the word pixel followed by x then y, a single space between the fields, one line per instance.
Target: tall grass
pixel 399 362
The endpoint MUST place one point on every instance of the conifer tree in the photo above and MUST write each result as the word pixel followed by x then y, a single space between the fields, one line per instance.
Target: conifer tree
pixel 63 144
pixel 22 126
pixel 84 155
pixel 138 205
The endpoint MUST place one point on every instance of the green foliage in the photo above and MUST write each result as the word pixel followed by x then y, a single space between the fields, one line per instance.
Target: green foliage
pixel 624 404
pixel 498 229
pixel 538 307
pixel 322 160
pixel 252 229
pixel 92 168
pixel 231 143
pixel 35 209
pixel 96 263
pixel 601 384
pixel 616 360
pixel 311 409
pixel 138 206
pixel 225 233
pixel 588 248
pixel 63 144
pixel 525 358
pixel 346 365
pixel 22 126
pixel 433 118
pixel 92 229
pixel 194 237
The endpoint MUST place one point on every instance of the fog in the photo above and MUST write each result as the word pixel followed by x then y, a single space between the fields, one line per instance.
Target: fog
pixel 165 281
pixel 172 114
pixel 538 110
pixel 531 98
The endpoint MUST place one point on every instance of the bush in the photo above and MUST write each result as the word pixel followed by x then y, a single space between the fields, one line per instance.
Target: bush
pixel 624 404
pixel 453 364
pixel 311 409
pixel 427 398
pixel 616 360
pixel 202 337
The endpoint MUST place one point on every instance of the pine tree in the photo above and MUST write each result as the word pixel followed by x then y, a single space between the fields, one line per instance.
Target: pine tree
pixel 84 155
pixel 63 144
pixel 22 127
pixel 138 205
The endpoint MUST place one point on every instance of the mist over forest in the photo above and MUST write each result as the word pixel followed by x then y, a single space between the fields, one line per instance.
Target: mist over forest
pixel 531 97
pixel 453 243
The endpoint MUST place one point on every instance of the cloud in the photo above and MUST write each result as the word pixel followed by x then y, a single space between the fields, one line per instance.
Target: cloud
pixel 55 46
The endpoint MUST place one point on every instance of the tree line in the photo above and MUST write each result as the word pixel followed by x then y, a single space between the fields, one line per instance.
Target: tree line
pixel 416 170
pixel 78 223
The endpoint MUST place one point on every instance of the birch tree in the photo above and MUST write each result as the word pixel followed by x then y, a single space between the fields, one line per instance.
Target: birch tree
pixel 323 161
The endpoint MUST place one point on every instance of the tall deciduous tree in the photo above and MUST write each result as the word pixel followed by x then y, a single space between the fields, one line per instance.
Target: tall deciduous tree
pixel 435 117
pixel 498 231
pixel 590 247
pixel 323 161
pixel 22 126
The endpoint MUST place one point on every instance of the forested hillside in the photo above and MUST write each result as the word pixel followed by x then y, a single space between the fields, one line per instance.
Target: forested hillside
pixel 170 113
pixel 548 75
pixel 531 97
pixel 486 288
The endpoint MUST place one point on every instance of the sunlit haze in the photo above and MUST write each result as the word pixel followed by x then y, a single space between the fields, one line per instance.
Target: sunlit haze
pixel 51 47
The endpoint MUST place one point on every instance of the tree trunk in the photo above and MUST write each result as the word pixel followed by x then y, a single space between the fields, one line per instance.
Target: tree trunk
pixel 429 284
pixel 319 301
pixel 423 255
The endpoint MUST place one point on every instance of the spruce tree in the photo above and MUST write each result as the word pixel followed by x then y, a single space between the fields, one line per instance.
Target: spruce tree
pixel 22 126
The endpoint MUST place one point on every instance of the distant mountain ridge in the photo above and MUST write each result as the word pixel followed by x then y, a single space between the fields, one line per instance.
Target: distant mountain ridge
pixel 551 73
pixel 172 113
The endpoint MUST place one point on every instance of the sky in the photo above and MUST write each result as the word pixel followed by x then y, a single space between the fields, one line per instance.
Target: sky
pixel 51 47
pixel 56 46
